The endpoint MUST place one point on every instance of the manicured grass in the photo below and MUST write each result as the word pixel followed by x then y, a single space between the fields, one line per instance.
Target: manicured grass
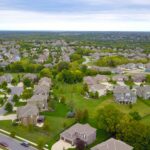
pixel 146 120
pixel 60 110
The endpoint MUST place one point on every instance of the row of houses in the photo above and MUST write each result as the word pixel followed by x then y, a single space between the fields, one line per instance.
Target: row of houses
pixel 87 134
pixel 122 93
pixel 29 113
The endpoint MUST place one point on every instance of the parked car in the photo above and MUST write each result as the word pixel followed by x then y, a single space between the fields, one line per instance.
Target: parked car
pixel 25 144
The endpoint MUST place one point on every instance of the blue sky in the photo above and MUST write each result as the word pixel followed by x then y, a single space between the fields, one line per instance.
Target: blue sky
pixel 96 15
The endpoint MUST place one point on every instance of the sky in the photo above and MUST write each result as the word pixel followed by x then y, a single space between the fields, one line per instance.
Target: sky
pixel 75 15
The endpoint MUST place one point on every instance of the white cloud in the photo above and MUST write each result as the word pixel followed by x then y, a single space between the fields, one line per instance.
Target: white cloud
pixel 25 20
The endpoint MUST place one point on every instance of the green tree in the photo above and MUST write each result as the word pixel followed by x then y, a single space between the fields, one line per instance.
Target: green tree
pixel 9 107
pixel 45 73
pixel 27 93
pixel 148 79
pixel 27 82
pixel 108 118
pixel 15 98
pixel 62 66
pixel 135 115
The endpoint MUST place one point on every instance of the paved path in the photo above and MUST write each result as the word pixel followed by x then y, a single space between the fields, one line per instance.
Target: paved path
pixel 9 117
pixel 13 143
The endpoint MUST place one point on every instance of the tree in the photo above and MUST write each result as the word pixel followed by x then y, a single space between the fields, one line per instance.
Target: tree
pixel 96 95
pixel 45 73
pixel 134 133
pixel 148 79
pixel 27 82
pixel 62 99
pixel 80 145
pixel 27 93
pixel 85 115
pixel 9 107
pixel 135 115
pixel 62 66
pixel 75 57
pixel 4 85
pixel 83 68
pixel 15 98
pixel 85 87
pixel 46 126
pixel 108 118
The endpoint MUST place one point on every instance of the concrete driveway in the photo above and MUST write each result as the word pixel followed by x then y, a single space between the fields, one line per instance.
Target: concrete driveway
pixel 9 117
pixel 61 145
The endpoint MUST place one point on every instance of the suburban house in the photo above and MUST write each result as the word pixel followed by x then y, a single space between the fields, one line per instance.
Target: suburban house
pixel 45 82
pixel 119 78
pixel 16 90
pixel 138 78
pixel 143 91
pixel 99 84
pixel 124 95
pixel 41 90
pixel 100 88
pixel 101 78
pixel 28 114
pixel 6 78
pixel 31 76
pixel 40 101
pixel 112 144
pixel 83 132
pixel 89 80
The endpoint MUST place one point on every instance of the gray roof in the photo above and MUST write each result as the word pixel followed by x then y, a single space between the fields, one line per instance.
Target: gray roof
pixel 121 89
pixel 7 78
pixel 140 77
pixel 112 144
pixel 120 78
pixel 45 82
pixel 41 90
pixel 30 76
pixel 85 129
pixel 38 98
pixel 16 90
pixel 27 110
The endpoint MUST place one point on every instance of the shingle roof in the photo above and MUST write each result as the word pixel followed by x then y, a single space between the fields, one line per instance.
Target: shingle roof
pixel 85 129
pixel 112 144
pixel 27 110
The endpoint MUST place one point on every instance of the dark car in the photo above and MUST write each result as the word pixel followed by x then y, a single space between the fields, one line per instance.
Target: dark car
pixel 25 144
pixel 3 144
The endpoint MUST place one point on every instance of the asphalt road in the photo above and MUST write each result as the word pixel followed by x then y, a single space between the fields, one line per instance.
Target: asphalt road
pixel 13 143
